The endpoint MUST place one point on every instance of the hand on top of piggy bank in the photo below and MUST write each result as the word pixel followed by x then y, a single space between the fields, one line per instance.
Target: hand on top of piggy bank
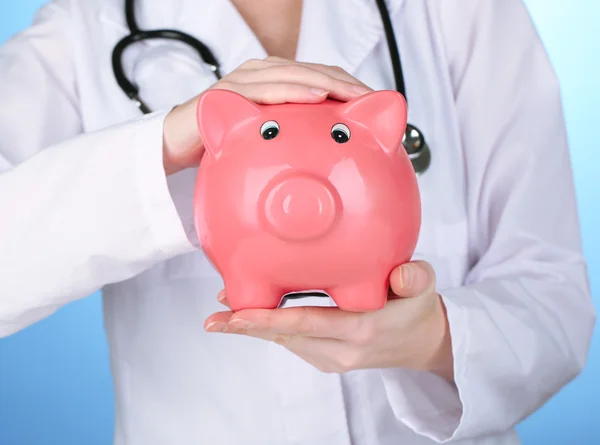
pixel 300 197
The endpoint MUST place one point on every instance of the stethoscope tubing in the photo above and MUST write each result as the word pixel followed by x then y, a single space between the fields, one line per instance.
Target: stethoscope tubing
pixel 413 141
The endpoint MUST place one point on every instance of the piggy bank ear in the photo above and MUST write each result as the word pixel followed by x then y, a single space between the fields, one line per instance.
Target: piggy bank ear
pixel 383 113
pixel 218 113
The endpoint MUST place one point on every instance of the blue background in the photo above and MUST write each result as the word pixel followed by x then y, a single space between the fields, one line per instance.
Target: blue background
pixel 55 382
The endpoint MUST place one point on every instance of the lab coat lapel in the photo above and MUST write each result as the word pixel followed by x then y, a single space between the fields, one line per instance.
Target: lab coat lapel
pixel 168 72
pixel 341 32
pixel 216 23
pixel 148 14
pixel 333 32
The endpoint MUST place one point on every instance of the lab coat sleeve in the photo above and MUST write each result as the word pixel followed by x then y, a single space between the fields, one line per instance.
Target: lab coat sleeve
pixel 522 322
pixel 77 211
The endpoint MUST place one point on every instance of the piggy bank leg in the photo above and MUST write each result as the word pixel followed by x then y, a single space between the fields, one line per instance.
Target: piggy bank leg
pixel 250 294
pixel 361 297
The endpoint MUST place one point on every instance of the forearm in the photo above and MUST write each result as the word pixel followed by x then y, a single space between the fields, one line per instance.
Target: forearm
pixel 86 212
pixel 516 338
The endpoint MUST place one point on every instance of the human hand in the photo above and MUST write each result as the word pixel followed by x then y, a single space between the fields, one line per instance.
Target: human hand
pixel 269 81
pixel 411 331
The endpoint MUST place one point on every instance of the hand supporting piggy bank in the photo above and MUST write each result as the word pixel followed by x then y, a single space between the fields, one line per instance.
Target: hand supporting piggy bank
pixel 304 197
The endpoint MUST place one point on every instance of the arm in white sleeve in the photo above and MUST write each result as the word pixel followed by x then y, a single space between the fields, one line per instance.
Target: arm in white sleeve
pixel 77 211
pixel 522 323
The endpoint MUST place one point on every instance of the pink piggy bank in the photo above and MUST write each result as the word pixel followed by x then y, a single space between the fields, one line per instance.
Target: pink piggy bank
pixel 306 197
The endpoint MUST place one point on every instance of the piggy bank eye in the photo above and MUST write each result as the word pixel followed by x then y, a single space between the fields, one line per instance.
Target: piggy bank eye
pixel 340 133
pixel 269 130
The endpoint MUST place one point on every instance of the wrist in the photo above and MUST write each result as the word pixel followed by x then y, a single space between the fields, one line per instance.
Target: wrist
pixel 439 359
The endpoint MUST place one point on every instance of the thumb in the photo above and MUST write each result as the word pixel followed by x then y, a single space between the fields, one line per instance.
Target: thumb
pixel 413 279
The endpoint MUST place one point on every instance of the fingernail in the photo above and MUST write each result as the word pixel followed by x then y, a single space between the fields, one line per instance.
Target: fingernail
pixel 360 89
pixel 318 91
pixel 239 324
pixel 406 276
pixel 216 326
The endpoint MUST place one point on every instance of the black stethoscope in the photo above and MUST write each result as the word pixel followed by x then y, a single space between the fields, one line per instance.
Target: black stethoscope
pixel 413 141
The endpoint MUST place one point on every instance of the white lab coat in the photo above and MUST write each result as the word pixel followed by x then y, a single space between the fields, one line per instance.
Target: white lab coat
pixel 85 205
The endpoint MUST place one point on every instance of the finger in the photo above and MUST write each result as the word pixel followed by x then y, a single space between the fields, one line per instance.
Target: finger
pixel 323 322
pixel 341 84
pixel 254 63
pixel 333 71
pixel 222 298
pixel 298 74
pixel 275 93
pixel 413 279
pixel 251 64
pixel 218 322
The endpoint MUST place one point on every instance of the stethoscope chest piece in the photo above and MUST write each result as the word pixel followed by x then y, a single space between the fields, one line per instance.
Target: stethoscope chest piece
pixel 418 151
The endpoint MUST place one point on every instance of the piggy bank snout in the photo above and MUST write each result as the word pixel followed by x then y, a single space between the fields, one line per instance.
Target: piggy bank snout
pixel 300 207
